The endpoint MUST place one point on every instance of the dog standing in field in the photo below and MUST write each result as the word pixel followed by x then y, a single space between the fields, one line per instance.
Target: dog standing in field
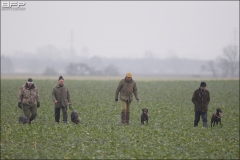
pixel 23 119
pixel 144 116
pixel 216 117
pixel 74 117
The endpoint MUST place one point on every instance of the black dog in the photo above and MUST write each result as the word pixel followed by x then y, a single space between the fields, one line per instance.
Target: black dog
pixel 144 116
pixel 23 119
pixel 216 117
pixel 74 117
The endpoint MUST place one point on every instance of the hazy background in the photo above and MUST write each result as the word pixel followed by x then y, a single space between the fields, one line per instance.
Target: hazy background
pixel 111 38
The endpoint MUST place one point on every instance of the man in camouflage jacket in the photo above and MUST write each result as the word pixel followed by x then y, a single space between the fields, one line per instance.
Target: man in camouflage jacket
pixel 126 87
pixel 28 100
pixel 201 99
pixel 61 99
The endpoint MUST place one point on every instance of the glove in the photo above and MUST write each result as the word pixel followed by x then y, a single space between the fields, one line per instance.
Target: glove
pixel 116 100
pixel 38 104
pixel 20 105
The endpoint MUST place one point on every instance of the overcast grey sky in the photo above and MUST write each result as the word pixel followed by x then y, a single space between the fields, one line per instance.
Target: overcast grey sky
pixel 120 29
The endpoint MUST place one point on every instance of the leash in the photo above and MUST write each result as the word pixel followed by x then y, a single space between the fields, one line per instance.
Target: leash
pixel 22 112
pixel 139 105
pixel 19 111
pixel 115 104
pixel 70 107
pixel 115 108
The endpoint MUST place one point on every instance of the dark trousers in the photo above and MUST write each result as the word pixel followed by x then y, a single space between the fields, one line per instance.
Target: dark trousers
pixel 197 117
pixel 57 113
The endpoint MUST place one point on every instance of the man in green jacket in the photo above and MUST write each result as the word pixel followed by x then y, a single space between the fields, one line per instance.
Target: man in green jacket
pixel 126 87
pixel 28 100
pixel 201 99
pixel 61 99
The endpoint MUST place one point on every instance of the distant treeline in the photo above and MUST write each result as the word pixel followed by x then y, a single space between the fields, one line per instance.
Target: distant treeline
pixel 226 65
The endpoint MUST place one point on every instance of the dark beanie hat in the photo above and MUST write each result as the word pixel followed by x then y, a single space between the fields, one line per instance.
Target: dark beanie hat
pixel 203 84
pixel 60 78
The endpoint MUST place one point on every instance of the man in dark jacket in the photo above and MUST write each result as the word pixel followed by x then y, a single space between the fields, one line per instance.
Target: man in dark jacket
pixel 201 99
pixel 28 100
pixel 126 87
pixel 61 99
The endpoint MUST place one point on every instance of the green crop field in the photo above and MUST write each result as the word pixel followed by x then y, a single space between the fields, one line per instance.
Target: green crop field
pixel 169 134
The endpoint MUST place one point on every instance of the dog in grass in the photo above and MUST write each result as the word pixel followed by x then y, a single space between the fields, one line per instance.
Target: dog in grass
pixel 74 117
pixel 216 117
pixel 23 119
pixel 144 116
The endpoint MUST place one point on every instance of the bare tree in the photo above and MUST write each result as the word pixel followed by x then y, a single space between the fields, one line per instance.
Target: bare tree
pixel 210 66
pixel 228 62
pixel 6 65
pixel 50 71
pixel 111 70
pixel 78 69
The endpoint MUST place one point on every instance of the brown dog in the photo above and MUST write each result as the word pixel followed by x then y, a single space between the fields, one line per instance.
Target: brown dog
pixel 216 117
pixel 74 117
pixel 23 119
pixel 144 116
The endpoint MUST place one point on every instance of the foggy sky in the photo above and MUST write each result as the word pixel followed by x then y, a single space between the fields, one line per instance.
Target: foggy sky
pixel 120 29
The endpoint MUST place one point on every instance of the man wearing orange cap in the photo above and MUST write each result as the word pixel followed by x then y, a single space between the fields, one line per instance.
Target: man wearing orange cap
pixel 126 87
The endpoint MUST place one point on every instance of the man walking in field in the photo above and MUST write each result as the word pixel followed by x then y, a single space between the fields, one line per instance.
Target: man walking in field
pixel 126 87
pixel 61 99
pixel 201 99
pixel 28 100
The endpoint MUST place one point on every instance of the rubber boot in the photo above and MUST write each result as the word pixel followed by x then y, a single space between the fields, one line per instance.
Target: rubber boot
pixel 30 120
pixel 127 117
pixel 123 117
pixel 205 124
pixel 195 124
pixel 65 122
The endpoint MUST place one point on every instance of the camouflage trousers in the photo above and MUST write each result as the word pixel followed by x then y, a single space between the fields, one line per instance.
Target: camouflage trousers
pixel 30 111
pixel 57 113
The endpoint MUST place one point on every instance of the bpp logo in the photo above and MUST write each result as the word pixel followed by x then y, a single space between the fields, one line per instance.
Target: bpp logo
pixel 12 4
